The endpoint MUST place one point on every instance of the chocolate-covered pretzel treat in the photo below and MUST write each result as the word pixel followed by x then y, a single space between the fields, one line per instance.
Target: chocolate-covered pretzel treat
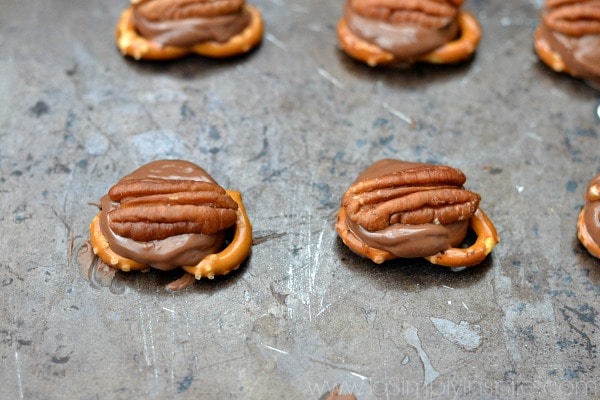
pixel 568 38
pixel 398 209
pixel 402 32
pixel 167 29
pixel 588 224
pixel 170 214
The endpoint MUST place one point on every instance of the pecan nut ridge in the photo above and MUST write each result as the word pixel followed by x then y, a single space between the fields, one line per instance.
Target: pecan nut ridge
pixel 154 209
pixel 166 10
pixel 432 14
pixel 421 176
pixel 421 195
pixel 573 18
pixel 145 187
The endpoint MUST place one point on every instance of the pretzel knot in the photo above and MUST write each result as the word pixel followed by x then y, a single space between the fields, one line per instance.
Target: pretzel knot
pixel 133 44
pixel 459 49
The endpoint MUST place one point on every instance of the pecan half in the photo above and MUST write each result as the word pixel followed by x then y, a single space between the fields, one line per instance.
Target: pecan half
pixel 432 14
pixel 155 209
pixel 573 17
pixel 419 194
pixel 163 10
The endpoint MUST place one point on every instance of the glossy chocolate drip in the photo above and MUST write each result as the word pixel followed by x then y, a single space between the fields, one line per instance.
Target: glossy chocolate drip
pixel 411 241
pixel 407 41
pixel 191 31
pixel 407 241
pixel 591 215
pixel 172 252
pixel 581 54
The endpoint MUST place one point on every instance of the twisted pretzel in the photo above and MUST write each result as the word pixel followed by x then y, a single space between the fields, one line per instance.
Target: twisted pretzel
pixel 378 256
pixel 452 52
pixel 215 264
pixel 102 249
pixel 132 44
pixel 548 56
pixel 487 238
pixel 234 254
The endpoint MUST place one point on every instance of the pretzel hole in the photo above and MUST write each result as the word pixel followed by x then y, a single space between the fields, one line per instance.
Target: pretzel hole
pixel 487 238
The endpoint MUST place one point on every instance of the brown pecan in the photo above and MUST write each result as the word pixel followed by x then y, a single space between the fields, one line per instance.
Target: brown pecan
pixel 417 195
pixel 163 10
pixel 154 209
pixel 573 17
pixel 432 14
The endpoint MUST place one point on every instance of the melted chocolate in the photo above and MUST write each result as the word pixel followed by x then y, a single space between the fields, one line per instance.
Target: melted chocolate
pixel 580 54
pixel 172 252
pixel 191 31
pixel 591 215
pixel 412 241
pixel 406 41
pixel 402 240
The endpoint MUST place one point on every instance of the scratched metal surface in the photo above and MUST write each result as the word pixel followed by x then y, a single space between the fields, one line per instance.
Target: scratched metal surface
pixel 290 126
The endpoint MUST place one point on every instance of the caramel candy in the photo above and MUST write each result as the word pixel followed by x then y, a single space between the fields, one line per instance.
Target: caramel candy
pixel 167 29
pixel 568 38
pixel 398 209
pixel 588 224
pixel 402 32
pixel 170 214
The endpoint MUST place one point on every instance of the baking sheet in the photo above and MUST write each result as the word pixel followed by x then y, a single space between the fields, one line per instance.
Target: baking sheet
pixel 290 126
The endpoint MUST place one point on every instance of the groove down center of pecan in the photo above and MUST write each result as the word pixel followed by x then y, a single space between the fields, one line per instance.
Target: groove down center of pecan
pixel 418 195
pixel 155 209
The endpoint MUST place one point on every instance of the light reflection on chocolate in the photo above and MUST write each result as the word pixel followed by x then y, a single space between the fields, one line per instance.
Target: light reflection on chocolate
pixel 580 54
pixel 413 241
